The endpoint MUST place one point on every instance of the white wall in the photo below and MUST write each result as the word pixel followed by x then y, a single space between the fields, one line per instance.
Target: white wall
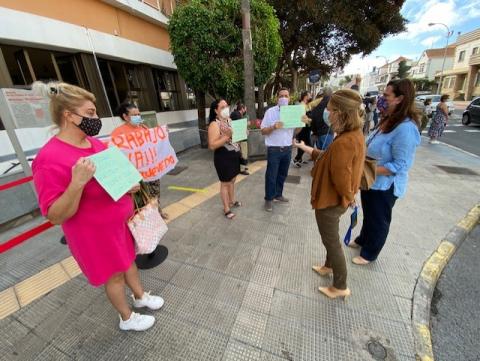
pixel 436 66
pixel 44 32
pixel 468 47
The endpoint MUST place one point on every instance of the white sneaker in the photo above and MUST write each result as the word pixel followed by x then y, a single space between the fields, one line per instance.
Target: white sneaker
pixel 137 322
pixel 152 302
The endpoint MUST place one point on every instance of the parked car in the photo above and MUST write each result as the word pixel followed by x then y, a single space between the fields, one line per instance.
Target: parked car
pixel 472 112
pixel 419 100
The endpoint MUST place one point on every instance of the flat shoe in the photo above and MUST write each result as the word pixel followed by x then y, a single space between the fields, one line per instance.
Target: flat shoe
pixel 353 244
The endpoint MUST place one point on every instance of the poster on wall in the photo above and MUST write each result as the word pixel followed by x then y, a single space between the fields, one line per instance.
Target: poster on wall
pixel 27 110
pixel 149 150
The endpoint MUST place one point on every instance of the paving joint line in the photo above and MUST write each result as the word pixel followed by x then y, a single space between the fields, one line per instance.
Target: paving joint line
pixel 426 282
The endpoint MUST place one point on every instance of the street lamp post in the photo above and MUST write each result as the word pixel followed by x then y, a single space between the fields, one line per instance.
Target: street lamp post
pixel 386 63
pixel 449 33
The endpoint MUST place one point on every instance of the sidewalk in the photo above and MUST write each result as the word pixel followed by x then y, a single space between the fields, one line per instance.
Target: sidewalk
pixel 244 289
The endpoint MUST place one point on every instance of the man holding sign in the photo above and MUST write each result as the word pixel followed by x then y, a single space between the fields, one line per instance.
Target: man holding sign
pixel 279 132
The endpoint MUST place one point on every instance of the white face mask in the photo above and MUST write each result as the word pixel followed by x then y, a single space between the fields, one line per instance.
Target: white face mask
pixel 225 113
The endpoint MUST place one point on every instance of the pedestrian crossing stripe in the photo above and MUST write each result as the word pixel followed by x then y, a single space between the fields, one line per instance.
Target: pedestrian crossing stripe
pixel 472 130
pixel 449 131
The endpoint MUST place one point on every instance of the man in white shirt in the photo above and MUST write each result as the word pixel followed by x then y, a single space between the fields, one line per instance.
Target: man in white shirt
pixel 279 151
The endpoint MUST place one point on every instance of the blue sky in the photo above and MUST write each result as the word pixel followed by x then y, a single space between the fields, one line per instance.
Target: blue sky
pixel 459 15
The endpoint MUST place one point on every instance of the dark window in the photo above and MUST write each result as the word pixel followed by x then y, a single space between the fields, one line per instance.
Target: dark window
pixel 167 91
pixel 461 56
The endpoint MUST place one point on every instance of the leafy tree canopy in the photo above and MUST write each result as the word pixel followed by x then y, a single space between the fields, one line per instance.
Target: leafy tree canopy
pixel 206 42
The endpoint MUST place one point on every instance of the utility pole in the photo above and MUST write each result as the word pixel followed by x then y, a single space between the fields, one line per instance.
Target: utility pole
pixel 249 83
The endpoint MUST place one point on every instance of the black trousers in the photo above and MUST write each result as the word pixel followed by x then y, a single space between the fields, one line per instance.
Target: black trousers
pixel 377 214
pixel 304 135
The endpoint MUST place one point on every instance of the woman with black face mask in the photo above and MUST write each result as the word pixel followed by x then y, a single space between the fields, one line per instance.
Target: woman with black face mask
pixel 94 224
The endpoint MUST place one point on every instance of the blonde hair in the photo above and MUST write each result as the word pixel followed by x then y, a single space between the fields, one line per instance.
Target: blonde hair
pixel 63 96
pixel 348 104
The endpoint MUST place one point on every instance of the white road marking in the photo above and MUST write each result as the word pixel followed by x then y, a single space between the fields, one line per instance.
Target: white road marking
pixel 472 130
pixel 449 131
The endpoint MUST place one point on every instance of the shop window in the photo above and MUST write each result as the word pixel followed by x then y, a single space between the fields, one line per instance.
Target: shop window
pixel 17 65
pixel 191 100
pixel 477 80
pixel 42 64
pixel 69 70
pixel 167 91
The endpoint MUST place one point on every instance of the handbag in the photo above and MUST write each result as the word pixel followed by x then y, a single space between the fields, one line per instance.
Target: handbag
pixel 369 172
pixel 146 225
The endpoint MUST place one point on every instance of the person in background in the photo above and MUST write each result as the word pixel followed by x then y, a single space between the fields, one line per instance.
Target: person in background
pixel 427 114
pixel 278 141
pixel 304 134
pixel 439 121
pixel 336 180
pixel 240 112
pixel 320 121
pixel 375 114
pixel 393 144
pixel 130 115
pixel 69 195
pixel 226 157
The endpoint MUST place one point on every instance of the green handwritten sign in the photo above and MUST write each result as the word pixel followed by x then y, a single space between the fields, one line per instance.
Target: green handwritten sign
pixel 291 116
pixel 114 172
pixel 239 130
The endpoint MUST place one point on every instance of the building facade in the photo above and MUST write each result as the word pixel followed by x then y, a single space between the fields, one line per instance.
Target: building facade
pixel 431 62
pixel 389 71
pixel 117 49
pixel 462 82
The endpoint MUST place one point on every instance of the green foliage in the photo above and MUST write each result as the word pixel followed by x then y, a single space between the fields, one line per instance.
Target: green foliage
pixel 403 69
pixel 325 34
pixel 206 42
pixel 423 84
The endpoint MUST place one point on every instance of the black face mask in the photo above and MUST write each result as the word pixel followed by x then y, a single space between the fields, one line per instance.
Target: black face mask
pixel 90 126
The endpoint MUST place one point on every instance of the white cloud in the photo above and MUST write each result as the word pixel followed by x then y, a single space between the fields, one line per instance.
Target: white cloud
pixel 430 41
pixel 448 12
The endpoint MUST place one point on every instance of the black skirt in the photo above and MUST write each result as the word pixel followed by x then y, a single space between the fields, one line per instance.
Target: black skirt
pixel 227 163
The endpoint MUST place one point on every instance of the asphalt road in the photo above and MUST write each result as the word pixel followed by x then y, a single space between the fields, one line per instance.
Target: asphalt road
pixel 455 311
pixel 464 137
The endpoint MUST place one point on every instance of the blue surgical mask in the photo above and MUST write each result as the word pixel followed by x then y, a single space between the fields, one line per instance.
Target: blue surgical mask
pixel 326 115
pixel 282 101
pixel 136 119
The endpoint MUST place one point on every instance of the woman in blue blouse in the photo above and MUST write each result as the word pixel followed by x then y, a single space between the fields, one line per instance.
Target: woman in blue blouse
pixel 393 145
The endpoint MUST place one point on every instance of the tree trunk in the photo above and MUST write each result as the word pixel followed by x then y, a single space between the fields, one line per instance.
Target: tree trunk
pixel 202 121
pixel 261 101
pixel 249 84
pixel 294 81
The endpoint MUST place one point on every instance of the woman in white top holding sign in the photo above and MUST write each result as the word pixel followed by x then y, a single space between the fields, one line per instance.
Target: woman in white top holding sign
pixel 226 154
pixel 94 224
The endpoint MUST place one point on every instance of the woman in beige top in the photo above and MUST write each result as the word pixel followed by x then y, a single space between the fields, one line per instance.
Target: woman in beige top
pixel 336 179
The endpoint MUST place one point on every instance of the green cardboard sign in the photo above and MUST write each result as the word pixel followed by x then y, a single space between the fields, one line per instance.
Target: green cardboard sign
pixel 291 116
pixel 239 130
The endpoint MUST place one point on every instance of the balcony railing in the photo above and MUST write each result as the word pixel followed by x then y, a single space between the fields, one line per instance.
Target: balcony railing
pixel 474 60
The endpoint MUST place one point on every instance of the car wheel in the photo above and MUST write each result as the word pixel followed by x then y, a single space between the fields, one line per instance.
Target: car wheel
pixel 465 119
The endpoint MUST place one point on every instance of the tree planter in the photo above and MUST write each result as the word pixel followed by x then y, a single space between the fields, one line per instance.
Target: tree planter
pixel 256 145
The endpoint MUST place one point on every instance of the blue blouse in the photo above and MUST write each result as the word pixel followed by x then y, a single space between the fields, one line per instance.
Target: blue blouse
pixel 396 152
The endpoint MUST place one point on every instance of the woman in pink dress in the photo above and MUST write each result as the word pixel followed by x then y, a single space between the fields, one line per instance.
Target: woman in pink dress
pixel 94 224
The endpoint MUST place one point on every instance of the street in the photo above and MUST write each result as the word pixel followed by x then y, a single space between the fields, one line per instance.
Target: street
pixel 464 137
pixel 455 331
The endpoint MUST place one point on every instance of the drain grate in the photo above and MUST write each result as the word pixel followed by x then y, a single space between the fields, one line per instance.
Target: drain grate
pixel 457 170
pixel 177 170
pixel 377 350
pixel 295 179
